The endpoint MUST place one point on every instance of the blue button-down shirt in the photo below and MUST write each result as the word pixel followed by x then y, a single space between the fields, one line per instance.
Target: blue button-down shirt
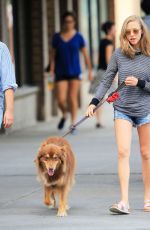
pixel 7 73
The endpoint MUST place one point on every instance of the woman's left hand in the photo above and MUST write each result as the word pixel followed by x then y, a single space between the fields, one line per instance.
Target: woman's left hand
pixel 131 81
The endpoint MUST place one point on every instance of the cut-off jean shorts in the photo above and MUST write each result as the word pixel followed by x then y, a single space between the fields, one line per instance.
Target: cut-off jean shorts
pixel 136 121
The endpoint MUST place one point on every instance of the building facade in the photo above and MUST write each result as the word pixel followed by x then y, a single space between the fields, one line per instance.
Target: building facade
pixel 27 27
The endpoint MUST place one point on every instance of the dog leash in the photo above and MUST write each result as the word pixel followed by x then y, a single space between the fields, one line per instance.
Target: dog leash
pixel 111 98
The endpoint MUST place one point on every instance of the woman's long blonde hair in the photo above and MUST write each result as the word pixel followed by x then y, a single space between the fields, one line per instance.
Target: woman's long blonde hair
pixel 126 47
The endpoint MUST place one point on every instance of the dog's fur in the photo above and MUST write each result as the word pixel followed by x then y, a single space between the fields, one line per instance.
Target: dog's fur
pixel 55 164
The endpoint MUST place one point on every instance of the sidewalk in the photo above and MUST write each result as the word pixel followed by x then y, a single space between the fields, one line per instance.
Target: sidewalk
pixel 96 185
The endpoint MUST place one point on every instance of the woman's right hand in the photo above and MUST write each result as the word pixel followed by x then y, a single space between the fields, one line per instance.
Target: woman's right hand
pixel 8 119
pixel 89 111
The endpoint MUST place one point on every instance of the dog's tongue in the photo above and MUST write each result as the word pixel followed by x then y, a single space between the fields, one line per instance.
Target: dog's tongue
pixel 51 172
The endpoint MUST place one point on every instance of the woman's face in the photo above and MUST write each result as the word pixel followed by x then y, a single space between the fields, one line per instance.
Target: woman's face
pixel 69 23
pixel 133 33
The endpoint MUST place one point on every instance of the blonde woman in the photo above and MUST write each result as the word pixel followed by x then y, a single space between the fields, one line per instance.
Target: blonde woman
pixel 132 62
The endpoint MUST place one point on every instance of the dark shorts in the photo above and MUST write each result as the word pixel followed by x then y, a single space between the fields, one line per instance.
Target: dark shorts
pixel 67 78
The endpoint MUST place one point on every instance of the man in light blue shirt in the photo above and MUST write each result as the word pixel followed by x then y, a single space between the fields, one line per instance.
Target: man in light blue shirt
pixel 7 87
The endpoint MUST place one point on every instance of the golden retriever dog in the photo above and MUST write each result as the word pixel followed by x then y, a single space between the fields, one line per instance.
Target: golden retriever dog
pixel 55 164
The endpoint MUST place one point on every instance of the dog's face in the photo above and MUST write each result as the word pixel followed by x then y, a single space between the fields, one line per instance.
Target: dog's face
pixel 50 158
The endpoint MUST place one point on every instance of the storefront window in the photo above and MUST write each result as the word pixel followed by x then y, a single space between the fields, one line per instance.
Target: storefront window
pixel 92 14
pixel 84 20
pixel 103 8
pixel 94 31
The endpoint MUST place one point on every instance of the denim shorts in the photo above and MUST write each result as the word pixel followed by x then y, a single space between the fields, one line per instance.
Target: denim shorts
pixel 136 121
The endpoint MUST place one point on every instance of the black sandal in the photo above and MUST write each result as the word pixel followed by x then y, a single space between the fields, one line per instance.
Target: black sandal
pixel 61 123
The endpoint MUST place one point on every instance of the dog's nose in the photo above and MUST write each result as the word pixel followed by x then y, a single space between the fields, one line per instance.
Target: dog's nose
pixel 50 171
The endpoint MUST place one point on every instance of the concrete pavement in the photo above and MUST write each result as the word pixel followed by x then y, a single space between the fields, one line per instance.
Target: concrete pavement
pixel 96 185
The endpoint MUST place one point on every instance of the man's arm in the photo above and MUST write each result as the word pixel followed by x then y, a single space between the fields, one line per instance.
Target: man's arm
pixel 9 108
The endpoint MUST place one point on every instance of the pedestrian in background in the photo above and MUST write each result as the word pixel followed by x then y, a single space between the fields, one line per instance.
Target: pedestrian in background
pixel 65 66
pixel 132 62
pixel 106 49
pixel 7 87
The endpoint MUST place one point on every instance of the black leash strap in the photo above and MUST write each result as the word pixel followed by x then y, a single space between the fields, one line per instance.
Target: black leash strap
pixel 97 107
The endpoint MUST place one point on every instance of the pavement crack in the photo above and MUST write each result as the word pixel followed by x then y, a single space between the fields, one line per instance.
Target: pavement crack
pixel 7 203
pixel 77 174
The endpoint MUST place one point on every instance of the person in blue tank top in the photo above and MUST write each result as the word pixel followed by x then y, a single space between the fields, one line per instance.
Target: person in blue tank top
pixel 65 66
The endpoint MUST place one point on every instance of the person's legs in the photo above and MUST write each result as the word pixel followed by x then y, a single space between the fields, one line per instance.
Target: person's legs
pixel 74 86
pixel 123 130
pixel 61 94
pixel 144 138
pixel 98 115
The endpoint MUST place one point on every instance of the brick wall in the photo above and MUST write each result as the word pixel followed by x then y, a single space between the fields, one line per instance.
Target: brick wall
pixel 37 52
pixel 63 7
pixel 51 31
pixel 75 9
pixel 36 40
pixel 111 10
pixel 51 20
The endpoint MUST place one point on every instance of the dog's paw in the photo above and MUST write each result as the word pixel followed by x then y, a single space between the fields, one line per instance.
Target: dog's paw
pixel 51 206
pixel 67 207
pixel 62 213
pixel 47 203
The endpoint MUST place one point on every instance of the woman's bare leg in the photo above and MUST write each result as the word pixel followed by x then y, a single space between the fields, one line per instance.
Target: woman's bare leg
pixel 74 86
pixel 61 94
pixel 123 130
pixel 98 115
pixel 144 138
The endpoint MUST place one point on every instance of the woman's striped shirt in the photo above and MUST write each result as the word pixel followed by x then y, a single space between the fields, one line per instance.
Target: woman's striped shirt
pixel 133 100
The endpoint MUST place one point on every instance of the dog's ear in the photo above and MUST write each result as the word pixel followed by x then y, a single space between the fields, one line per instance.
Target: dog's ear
pixel 37 159
pixel 40 152
pixel 63 150
pixel 43 145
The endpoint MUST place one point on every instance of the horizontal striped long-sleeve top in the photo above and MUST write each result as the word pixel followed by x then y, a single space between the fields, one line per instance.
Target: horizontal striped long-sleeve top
pixel 7 74
pixel 133 100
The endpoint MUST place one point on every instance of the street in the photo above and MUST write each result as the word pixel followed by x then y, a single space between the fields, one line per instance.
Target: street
pixel 96 185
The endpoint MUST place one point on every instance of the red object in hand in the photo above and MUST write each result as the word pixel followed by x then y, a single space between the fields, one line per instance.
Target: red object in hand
pixel 113 97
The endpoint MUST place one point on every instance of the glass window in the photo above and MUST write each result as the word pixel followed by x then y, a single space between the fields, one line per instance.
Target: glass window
pixel 103 7
pixel 92 13
pixel 94 30
pixel 7 26
pixel 84 24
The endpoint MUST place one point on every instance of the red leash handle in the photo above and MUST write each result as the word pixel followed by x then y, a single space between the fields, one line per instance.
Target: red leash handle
pixel 113 97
